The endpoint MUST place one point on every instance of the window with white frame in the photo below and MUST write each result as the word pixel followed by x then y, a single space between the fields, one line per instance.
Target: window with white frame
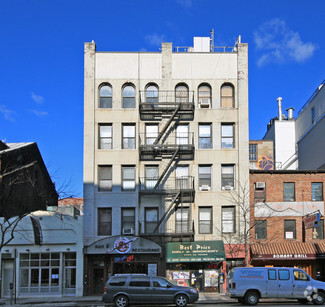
pixel 204 96
pixel 288 191
pixel 317 191
pixel 128 96
pixel 182 135
pixel 227 177
pixel 227 136
pixel 182 177
pixel 151 133
pixel 228 219
pixel 252 152
pixel 128 135
pixel 128 177
pixel 205 220
pixel 104 221
pixel 105 96
pixel 105 178
pixel 205 177
pixel 205 136
pixel 151 176
pixel 105 136
pixel 128 218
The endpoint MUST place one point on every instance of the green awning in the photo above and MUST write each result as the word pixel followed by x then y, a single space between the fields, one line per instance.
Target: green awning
pixel 198 251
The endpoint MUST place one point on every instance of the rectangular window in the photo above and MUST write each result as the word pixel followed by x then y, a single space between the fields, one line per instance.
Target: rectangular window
pixel 284 274
pixel 151 134
pixel 272 274
pixel 290 229
pixel 182 220
pixel 182 178
pixel 205 136
pixel 151 176
pixel 228 219
pixel 227 136
pixel 252 152
pixel 128 218
pixel 204 177
pixel 318 232
pixel 260 229
pixel 128 178
pixel 104 178
pixel 205 220
pixel 128 135
pixel 317 191
pixel 104 221
pixel 227 177
pixel 105 136
pixel 182 135
pixel 288 191
pixel 151 219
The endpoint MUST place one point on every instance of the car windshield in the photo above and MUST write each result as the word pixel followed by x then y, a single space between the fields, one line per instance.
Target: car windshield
pixel 174 283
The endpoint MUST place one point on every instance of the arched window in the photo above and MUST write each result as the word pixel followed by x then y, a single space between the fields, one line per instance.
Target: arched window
pixel 105 96
pixel 204 96
pixel 181 93
pixel 152 94
pixel 227 96
pixel 128 96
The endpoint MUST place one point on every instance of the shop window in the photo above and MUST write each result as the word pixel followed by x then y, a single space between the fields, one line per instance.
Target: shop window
pixel 204 177
pixel 128 178
pixel 128 96
pixel 317 191
pixel 288 191
pixel 205 220
pixel 105 136
pixel 105 96
pixel 290 229
pixel 205 136
pixel 318 231
pixel 228 219
pixel 260 229
pixel 104 221
pixel 104 178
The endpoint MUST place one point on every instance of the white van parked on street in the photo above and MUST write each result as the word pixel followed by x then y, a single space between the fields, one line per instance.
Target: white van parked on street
pixel 250 284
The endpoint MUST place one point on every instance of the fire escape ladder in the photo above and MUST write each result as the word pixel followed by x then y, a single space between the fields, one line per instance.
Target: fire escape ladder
pixel 166 168
pixel 163 130
pixel 175 201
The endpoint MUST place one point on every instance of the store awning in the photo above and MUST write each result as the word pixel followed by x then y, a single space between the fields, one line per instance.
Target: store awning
pixel 285 251
pixel 197 251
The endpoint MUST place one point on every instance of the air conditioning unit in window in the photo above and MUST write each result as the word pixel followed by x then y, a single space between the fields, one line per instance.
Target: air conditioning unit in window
pixel 227 187
pixel 204 102
pixel 128 231
pixel 260 185
pixel 204 187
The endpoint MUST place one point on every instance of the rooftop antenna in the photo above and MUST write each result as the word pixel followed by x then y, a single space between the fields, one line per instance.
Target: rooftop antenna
pixel 212 41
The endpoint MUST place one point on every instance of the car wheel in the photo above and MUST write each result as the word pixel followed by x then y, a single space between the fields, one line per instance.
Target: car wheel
pixel 121 301
pixel 303 301
pixel 251 298
pixel 181 300
pixel 319 298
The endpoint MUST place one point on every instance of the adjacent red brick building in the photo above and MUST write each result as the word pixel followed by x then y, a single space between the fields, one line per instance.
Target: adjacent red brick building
pixel 279 202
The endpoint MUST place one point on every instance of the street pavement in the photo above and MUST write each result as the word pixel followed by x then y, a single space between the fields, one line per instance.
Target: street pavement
pixel 205 298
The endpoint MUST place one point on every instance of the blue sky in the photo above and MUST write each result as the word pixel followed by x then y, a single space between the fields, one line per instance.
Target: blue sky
pixel 41 79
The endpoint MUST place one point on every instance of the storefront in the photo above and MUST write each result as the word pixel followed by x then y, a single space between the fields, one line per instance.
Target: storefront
pixel 307 256
pixel 119 254
pixel 197 264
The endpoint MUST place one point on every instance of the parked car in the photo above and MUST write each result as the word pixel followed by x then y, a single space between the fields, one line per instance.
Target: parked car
pixel 125 289
pixel 248 285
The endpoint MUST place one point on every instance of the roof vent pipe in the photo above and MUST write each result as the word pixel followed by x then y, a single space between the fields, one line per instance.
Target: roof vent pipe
pixel 280 108
pixel 290 112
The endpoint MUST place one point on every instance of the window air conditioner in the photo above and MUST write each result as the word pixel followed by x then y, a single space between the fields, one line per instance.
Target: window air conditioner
pixel 204 102
pixel 204 187
pixel 227 187
pixel 128 231
pixel 260 185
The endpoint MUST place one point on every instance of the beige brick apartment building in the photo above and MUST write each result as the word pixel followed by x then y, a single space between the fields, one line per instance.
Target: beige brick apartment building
pixel 165 144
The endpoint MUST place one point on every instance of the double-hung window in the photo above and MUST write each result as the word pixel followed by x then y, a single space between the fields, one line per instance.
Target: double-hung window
pixel 128 96
pixel 128 135
pixel 316 191
pixel 227 136
pixel 205 136
pixel 290 229
pixel 288 191
pixel 204 177
pixel 182 135
pixel 151 134
pixel 260 229
pixel 151 173
pixel 105 178
pixel 105 136
pixel 228 219
pixel 227 96
pixel 104 221
pixel 205 220
pixel 128 178
pixel 128 218
pixel 151 219
pixel 105 96
pixel 227 177
pixel 182 220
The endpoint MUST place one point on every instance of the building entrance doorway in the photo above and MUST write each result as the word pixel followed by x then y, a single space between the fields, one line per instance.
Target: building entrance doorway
pixel 98 281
